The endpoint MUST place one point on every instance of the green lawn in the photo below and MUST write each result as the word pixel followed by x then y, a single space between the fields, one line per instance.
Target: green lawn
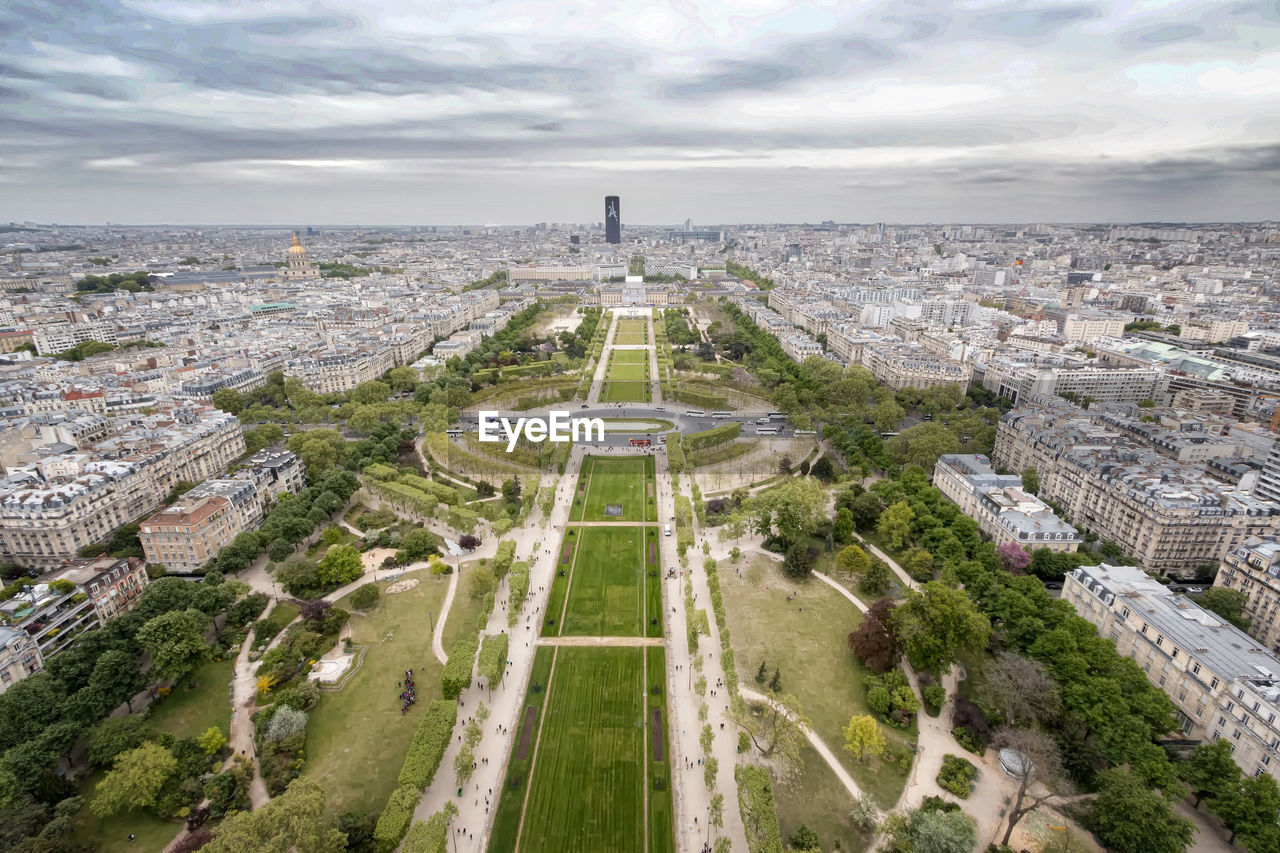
pixel 630 356
pixel 815 797
pixel 632 332
pixel 807 640
pixel 626 392
pixel 506 822
pixel 358 729
pixel 560 586
pixel 586 793
pixel 628 372
pixel 606 584
pixel 622 481
pixel 465 612
pixel 201 701
pixel 661 811
pixel 652 583
pixel 111 835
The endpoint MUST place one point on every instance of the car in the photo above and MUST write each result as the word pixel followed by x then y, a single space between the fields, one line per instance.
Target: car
pixel 1052 585
pixel 585 405
pixel 1195 589
pixel 1177 587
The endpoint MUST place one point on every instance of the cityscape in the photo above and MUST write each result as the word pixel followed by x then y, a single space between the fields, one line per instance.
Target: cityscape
pixel 711 430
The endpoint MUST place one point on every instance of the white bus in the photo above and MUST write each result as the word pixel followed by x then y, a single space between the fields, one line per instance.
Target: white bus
pixel 806 432
pixel 692 414
pixel 453 433
pixel 722 414
pixel 766 431
pixel 777 414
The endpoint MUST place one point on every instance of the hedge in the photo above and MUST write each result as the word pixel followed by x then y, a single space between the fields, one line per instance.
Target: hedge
pixel 441 492
pixel 395 818
pixel 502 526
pixel 675 455
pixel 493 658
pixel 518 589
pixel 404 497
pixel 696 398
pixel 456 675
pixel 710 438
pixel 462 519
pixel 727 660
pixel 378 471
pixel 429 836
pixel 759 814
pixel 430 740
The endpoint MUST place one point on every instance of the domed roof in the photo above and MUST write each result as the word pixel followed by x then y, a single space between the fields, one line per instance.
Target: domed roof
pixel 296 248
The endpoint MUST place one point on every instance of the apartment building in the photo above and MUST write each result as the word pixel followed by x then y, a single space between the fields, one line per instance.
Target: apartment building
pixel 1222 682
pixel 799 346
pixel 899 366
pixel 57 337
pixel 187 535
pixel 1171 517
pixel 1086 327
pixel 1212 330
pixel 998 503
pixel 19 656
pixel 240 492
pixel 274 472
pixel 1020 382
pixel 1253 567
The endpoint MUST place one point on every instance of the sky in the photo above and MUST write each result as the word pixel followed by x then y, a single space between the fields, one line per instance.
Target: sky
pixel 719 111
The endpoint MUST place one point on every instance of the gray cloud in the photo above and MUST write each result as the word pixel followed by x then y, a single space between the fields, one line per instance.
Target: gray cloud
pixel 1034 23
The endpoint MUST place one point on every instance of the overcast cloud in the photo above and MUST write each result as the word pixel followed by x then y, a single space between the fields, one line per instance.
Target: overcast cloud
pixel 726 111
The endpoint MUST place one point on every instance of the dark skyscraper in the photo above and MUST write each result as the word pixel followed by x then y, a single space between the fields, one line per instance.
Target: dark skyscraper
pixel 612 219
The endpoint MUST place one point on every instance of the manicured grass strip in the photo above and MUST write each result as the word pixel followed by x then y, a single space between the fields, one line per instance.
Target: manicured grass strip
pixel 605 591
pixel 628 372
pixel 658 752
pixel 586 792
pixel 652 584
pixel 630 356
pixel 618 481
pixel 626 392
pixel 506 822
pixel 560 585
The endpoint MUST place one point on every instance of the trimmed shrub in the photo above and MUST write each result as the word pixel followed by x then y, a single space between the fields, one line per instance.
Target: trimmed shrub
pixel 503 558
pixel 395 818
pixel 456 675
pixel 378 471
pixel 759 814
pixel 957 775
pixel 427 836
pixel 493 658
pixel 430 740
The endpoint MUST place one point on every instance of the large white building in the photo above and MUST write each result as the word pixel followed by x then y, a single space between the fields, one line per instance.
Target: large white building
pixel 1223 683
pixel 1003 510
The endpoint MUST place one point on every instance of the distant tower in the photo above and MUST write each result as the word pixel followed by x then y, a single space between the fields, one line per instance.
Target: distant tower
pixel 612 219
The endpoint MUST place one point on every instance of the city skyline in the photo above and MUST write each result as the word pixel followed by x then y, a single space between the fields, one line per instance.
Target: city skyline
pixel 193 113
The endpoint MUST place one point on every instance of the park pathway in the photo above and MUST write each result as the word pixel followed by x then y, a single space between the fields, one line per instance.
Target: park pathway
pixel 437 636
pixel 692 797
pixel 905 578
pixel 602 366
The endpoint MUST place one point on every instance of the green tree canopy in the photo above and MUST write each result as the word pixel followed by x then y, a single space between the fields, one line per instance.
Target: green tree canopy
pixel 175 641
pixel 135 781
pixel 937 622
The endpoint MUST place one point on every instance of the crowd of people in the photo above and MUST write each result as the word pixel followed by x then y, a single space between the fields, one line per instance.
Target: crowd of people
pixel 407 695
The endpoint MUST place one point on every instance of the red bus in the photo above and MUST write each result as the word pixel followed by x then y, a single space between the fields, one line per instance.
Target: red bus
pixel 640 442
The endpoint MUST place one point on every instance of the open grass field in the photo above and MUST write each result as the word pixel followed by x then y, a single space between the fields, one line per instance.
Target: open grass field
pixel 360 727
pixel 628 372
pixel 625 481
pixel 606 585
pixel 626 392
pixel 630 356
pixel 658 753
pixel 807 640
pixel 201 701
pixel 631 332
pixel 506 822
pixel 815 798
pixel 559 587
pixel 586 792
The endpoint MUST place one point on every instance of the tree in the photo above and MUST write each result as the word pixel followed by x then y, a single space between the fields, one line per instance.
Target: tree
pixel 1209 769
pixel 842 528
pixel 795 507
pixel 1249 808
pixel 1038 772
pixel 877 578
pixel 340 566
pixel 772 726
pixel 784 465
pixel 114 736
pixel 895 524
pixel 511 490
pixel 761 673
pixel 863 738
pixel 229 400
pixel 805 839
pixel 402 378
pixel 823 469
pixel 1019 688
pixel 279 550
pixel 798 562
pixel 775 683
pixel 212 741
pixel 365 597
pixel 874 642
pixel 370 392
pixel 852 560
pixel 1129 818
pixel 922 444
pixel 136 780
pixel 936 623
pixel 1030 480
pixel 717 810
pixel 1014 558
pixel 116 678
pixel 318 455
pixel 866 509
pixel 297 820
pixel 175 641
pixel 468 542
pixel 484 489
pixel 918 563
pixel 888 415
pixel 1227 603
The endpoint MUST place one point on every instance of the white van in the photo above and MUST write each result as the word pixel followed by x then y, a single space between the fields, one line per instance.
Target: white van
pixel 666 530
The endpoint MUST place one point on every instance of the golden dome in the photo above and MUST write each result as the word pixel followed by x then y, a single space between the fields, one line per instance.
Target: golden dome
pixel 296 248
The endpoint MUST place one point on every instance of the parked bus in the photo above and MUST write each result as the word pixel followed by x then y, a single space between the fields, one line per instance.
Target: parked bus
pixel 777 415
pixel 640 442
pixel 766 431
pixel 722 414
pixel 453 433
pixel 887 434
pixel 806 432
pixel 692 414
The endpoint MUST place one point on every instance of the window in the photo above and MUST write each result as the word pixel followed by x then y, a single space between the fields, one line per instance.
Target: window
pixel 1124 611
pixel 1213 684
pixel 1144 627
pixel 1222 721
pixel 1231 706
pixel 1159 640
pixel 1195 669
pixel 1235 735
